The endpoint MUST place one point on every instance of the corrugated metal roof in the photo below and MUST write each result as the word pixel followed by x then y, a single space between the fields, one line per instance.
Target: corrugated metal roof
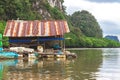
pixel 19 28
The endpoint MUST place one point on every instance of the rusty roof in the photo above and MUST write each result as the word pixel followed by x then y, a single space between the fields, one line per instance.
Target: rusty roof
pixel 20 28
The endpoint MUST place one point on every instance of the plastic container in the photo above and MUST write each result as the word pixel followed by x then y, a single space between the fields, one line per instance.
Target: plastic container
pixel 1 49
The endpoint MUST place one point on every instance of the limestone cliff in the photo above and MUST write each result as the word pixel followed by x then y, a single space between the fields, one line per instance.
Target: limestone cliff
pixel 115 38
pixel 48 9
pixel 57 3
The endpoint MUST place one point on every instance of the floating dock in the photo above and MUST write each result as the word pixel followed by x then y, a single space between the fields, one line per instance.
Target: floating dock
pixel 48 53
pixel 65 54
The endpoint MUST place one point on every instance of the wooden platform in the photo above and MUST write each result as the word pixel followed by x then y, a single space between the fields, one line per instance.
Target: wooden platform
pixel 48 53
pixel 56 55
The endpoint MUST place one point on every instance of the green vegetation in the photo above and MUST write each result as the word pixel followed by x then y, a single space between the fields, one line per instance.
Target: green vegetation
pixel 89 42
pixel 87 23
pixel 17 9
pixel 85 30
pixel 4 39
pixel 53 11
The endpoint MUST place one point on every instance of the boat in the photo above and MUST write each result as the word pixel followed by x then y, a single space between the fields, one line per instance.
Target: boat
pixel 8 55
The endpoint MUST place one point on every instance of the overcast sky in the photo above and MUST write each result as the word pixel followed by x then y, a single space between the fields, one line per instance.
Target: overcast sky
pixel 107 13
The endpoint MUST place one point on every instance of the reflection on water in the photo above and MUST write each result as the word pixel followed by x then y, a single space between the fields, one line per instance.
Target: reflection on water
pixel 90 64
pixel 87 64
pixel 47 69
pixel 110 68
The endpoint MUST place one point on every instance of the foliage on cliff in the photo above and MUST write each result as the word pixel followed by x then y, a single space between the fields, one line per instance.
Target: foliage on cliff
pixel 87 23
pixel 13 9
pixel 28 10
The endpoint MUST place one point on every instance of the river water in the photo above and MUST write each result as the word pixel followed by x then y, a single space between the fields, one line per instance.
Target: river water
pixel 90 64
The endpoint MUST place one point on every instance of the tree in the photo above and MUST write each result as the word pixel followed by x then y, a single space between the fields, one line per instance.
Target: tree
pixel 14 9
pixel 7 9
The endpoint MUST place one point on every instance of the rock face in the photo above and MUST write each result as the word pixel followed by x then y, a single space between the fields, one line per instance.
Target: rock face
pixel 43 7
pixel 112 38
pixel 57 3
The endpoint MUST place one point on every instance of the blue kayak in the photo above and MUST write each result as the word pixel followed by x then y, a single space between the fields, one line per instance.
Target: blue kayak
pixel 8 55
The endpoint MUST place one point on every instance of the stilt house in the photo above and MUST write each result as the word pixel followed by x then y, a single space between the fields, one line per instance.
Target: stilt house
pixel 35 33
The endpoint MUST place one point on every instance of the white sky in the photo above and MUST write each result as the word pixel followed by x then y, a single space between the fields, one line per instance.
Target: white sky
pixel 106 13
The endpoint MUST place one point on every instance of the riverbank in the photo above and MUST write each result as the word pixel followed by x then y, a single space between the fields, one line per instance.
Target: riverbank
pixel 87 48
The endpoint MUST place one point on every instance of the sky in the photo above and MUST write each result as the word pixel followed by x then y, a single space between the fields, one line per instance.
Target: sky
pixel 107 13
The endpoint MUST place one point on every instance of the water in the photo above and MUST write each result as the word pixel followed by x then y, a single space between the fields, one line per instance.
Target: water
pixel 90 64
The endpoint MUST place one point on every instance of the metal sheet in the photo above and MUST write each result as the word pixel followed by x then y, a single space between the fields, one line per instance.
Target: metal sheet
pixel 19 28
